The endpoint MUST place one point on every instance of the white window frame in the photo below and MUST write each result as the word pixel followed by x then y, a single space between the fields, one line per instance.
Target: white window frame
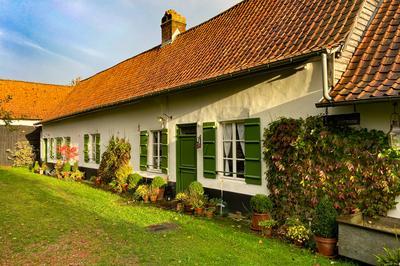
pixel 92 147
pixel 155 153
pixel 234 158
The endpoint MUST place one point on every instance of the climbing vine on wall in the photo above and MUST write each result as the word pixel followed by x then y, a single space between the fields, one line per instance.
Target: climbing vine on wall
pixel 305 160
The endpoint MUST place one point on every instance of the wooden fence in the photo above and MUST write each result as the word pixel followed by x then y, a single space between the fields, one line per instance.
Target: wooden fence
pixel 8 138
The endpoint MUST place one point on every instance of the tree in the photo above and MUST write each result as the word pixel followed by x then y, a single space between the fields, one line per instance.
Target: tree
pixel 5 115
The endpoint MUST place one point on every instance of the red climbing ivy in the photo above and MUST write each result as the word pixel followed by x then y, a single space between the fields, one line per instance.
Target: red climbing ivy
pixel 356 168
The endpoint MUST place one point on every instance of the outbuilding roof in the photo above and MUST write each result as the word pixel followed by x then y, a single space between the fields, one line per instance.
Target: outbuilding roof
pixel 374 69
pixel 30 100
pixel 251 34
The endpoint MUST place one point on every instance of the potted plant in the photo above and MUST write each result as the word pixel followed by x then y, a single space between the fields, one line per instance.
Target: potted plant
pixel 211 207
pixel 267 226
pixel 43 168
pixel 197 202
pixel 325 228
pixel 153 193
pixel 142 192
pixel 158 185
pixel 181 197
pixel 261 206
pixel 297 232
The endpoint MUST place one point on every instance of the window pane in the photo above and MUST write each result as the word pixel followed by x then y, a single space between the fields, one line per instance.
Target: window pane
pixel 160 149
pixel 228 167
pixel 155 137
pixel 155 149
pixel 227 131
pixel 240 169
pixel 228 149
pixel 239 131
pixel 240 150
pixel 155 162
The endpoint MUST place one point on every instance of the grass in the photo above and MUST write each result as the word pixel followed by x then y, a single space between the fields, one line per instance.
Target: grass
pixel 48 221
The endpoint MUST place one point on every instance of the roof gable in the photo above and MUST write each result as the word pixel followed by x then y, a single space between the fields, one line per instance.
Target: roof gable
pixel 250 34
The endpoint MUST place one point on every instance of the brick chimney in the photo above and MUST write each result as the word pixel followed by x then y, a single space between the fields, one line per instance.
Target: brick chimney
pixel 172 23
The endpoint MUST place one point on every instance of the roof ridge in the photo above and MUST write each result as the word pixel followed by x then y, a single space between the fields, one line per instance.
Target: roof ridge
pixel 34 82
pixel 159 45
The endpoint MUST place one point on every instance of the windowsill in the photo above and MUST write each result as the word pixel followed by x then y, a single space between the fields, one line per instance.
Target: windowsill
pixel 151 174
pixel 235 179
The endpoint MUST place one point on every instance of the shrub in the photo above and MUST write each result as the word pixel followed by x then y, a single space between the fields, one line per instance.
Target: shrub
pixel 390 258
pixel 158 182
pixel 142 191
pixel 23 155
pixel 268 223
pixel 182 196
pixel 117 154
pixel 196 188
pixel 36 167
pixel 133 180
pixel 261 204
pixel 66 167
pixel 324 224
pixel 120 182
pixel 307 160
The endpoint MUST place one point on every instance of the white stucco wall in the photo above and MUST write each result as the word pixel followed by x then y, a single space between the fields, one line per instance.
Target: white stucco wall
pixel 290 93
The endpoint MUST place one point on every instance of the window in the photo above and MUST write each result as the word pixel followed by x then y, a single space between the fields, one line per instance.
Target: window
pixel 157 150
pixel 59 142
pixel 51 148
pixel 95 148
pixel 234 149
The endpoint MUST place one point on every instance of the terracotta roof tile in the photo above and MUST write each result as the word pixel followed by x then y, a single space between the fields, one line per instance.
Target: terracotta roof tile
pixel 250 34
pixel 31 101
pixel 376 60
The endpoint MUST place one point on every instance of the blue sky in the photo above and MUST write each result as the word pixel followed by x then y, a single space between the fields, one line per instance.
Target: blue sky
pixel 54 41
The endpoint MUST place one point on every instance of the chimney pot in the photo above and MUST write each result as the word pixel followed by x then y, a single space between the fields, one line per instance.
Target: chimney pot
pixel 172 24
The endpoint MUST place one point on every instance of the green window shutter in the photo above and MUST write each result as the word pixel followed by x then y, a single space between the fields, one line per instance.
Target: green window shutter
pixel 144 137
pixel 45 149
pixel 86 147
pixel 59 144
pixel 52 148
pixel 97 148
pixel 209 160
pixel 164 151
pixel 252 135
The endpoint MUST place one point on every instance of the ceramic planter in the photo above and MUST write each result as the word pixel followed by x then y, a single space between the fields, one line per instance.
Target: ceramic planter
pixel 146 199
pixel 199 211
pixel 258 217
pixel 153 198
pixel 161 192
pixel 326 246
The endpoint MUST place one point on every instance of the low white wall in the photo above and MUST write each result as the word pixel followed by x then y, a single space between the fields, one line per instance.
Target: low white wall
pixel 291 93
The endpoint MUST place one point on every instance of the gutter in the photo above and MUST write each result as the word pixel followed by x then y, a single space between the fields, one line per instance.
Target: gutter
pixel 325 83
pixel 387 99
pixel 202 83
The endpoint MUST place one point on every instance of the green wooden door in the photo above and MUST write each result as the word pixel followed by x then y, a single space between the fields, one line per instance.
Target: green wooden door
pixel 186 156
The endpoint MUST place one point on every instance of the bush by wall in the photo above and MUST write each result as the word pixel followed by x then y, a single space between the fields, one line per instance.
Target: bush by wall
pixel 355 168
pixel 23 155
pixel 117 156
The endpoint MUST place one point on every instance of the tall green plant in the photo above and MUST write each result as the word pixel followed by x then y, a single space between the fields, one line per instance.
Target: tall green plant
pixel 117 154
pixel 355 168
pixel 324 223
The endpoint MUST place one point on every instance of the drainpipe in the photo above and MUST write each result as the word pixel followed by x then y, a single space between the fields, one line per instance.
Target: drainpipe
pixel 325 84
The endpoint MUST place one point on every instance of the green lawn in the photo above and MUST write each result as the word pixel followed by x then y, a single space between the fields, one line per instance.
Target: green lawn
pixel 49 221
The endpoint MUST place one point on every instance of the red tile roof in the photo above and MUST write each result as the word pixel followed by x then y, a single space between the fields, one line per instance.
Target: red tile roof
pixel 374 69
pixel 29 100
pixel 250 34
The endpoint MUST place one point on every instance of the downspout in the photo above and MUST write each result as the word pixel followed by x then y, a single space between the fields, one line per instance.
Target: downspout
pixel 325 83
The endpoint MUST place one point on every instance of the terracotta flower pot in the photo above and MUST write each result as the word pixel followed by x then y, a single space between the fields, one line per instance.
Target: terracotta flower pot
pixel 153 198
pixel 209 213
pixel 326 246
pixel 258 217
pixel 160 195
pixel 146 199
pixel 199 211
